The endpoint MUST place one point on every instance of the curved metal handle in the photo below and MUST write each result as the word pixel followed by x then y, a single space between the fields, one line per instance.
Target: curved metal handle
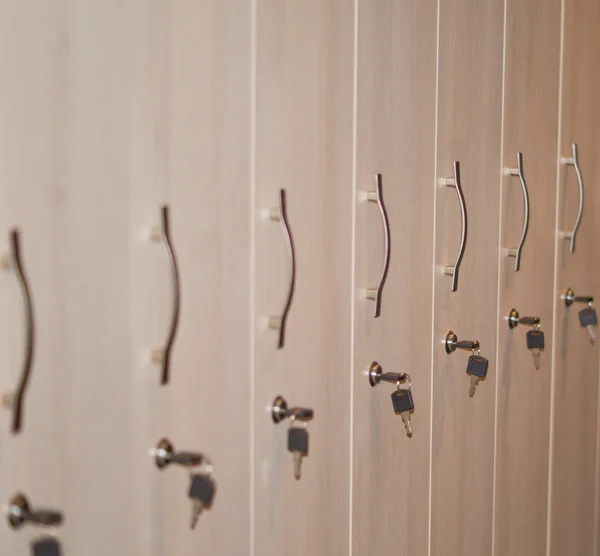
pixel 376 196
pixel 15 400
pixel 516 253
pixel 572 236
pixel 279 214
pixel 452 270
pixel 163 356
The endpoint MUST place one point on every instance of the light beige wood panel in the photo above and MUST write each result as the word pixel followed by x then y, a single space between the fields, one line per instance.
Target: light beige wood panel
pixel 469 122
pixel 395 137
pixel 530 126
pixel 96 392
pixel 67 136
pixel 32 199
pixel 304 97
pixel 573 520
pixel 191 140
pixel 201 112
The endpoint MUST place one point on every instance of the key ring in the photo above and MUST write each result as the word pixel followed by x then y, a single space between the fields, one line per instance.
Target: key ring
pixel 405 377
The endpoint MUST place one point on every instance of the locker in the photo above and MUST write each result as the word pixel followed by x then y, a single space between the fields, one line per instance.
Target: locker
pixel 530 126
pixel 395 137
pixel 468 131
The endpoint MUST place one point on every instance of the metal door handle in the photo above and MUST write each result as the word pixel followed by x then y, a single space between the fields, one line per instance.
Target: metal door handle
pixel 162 356
pixel 376 196
pixel 452 270
pixel 518 171
pixel 279 214
pixel 15 400
pixel 572 235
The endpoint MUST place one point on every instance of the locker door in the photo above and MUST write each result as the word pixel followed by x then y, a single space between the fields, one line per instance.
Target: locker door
pixel 32 201
pixel 191 150
pixel 395 138
pixel 532 54
pixel 574 470
pixel 64 129
pixel 469 121
pixel 303 144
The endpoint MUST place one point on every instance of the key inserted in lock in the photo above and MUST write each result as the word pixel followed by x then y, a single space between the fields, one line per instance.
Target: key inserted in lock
pixel 535 337
pixel 477 365
pixel 299 418
pixel 402 400
pixel 587 317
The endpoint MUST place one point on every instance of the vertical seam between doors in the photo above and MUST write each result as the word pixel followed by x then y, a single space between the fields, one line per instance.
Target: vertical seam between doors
pixel 252 235
pixel 353 278
pixel 434 272
pixel 498 308
pixel 554 300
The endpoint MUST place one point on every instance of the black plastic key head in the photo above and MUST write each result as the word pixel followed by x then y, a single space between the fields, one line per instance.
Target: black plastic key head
pixel 535 339
pixel 477 366
pixel 46 547
pixel 588 317
pixel 402 401
pixel 298 440
pixel 202 489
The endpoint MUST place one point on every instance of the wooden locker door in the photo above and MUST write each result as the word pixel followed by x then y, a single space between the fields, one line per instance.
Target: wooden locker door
pixel 32 202
pixel 65 135
pixel 469 122
pixel 209 401
pixel 303 143
pixel 574 469
pixel 532 56
pixel 396 138
pixel 190 141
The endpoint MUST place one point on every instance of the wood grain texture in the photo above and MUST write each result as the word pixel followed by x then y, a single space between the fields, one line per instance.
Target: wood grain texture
pixel 32 199
pixel 395 137
pixel 531 87
pixel 65 94
pixel 575 399
pixel 96 392
pixel 469 122
pixel 304 94
pixel 190 114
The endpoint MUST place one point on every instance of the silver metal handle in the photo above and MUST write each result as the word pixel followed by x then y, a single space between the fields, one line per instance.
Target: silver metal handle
pixel 279 214
pixel 518 171
pixel 376 196
pixel 452 270
pixel 162 356
pixel 19 513
pixel 572 235
pixel 15 400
